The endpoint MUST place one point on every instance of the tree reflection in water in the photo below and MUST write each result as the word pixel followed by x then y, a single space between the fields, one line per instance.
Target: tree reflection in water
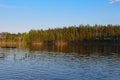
pixel 84 62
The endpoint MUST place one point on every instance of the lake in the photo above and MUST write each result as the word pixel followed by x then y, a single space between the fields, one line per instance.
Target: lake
pixel 98 62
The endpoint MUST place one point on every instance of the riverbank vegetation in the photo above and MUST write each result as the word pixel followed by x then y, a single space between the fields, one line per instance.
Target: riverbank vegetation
pixel 65 35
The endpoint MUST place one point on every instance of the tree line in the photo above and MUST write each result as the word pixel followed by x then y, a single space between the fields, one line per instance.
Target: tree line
pixel 66 34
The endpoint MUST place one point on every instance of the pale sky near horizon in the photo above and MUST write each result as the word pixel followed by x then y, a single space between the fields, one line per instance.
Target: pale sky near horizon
pixel 23 15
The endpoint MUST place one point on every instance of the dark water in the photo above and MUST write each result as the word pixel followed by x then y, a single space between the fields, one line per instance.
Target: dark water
pixel 60 63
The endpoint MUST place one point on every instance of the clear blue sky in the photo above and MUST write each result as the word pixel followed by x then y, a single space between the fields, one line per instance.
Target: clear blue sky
pixel 23 15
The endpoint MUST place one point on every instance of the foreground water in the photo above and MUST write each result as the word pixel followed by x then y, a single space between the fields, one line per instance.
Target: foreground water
pixel 60 63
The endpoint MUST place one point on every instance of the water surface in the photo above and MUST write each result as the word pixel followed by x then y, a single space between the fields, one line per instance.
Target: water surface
pixel 60 63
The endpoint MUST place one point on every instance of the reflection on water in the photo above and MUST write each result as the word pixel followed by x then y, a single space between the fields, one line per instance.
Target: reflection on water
pixel 83 49
pixel 61 63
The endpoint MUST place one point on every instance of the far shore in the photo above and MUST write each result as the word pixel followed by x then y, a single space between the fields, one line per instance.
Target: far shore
pixel 60 43
pixel 11 43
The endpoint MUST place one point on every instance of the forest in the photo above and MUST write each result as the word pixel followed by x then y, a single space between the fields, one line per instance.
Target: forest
pixel 66 35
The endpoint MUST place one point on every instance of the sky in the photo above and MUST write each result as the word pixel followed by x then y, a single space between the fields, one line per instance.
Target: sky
pixel 24 15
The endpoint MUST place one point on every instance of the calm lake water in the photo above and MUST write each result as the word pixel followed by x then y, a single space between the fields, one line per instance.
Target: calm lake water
pixel 60 63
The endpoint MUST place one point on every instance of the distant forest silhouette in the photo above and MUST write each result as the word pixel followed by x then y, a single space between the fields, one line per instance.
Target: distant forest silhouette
pixel 65 35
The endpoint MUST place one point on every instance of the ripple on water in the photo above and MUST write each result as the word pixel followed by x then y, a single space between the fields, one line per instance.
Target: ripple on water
pixel 38 65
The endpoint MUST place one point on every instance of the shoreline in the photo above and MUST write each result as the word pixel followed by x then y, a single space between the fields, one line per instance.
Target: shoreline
pixel 61 43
